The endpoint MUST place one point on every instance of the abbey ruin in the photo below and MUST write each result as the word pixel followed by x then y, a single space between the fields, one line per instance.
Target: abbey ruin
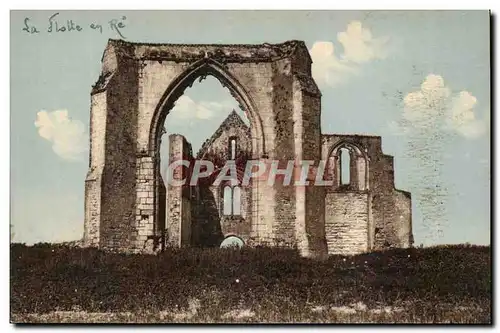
pixel 128 207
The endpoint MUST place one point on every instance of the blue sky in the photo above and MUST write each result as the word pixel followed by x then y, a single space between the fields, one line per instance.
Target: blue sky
pixel 418 79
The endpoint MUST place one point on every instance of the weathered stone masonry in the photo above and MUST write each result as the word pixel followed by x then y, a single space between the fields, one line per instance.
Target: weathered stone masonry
pixel 126 201
pixel 369 213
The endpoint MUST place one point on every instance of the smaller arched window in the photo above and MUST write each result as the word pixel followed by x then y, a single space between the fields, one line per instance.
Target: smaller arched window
pixel 348 166
pixel 227 201
pixel 232 148
pixel 231 201
pixel 236 200
pixel 345 166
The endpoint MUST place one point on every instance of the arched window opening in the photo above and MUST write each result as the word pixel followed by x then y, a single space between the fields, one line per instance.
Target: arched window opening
pixel 232 148
pixel 231 201
pixel 345 166
pixel 227 201
pixel 349 167
pixel 236 200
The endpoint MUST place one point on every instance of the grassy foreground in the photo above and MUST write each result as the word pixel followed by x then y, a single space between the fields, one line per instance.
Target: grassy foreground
pixel 449 284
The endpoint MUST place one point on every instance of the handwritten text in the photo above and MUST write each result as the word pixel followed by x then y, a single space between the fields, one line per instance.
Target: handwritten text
pixel 57 25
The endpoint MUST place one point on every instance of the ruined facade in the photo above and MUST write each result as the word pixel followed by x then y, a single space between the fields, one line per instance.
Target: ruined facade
pixel 127 202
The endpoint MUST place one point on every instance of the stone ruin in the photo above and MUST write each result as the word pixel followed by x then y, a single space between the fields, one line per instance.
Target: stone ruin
pixel 127 203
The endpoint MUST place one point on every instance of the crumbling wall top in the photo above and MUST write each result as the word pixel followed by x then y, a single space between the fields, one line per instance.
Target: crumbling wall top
pixel 181 140
pixel 371 144
pixel 225 53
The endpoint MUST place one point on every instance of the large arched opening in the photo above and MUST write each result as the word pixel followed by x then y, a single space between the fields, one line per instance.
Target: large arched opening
pixel 202 210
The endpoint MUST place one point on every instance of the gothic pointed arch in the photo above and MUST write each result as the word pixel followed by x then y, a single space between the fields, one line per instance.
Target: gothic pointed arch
pixel 201 69
pixel 358 166
pixel 348 145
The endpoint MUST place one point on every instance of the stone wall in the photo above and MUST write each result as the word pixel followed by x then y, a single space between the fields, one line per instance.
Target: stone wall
pixel 218 144
pixel 346 222
pixel 309 199
pixel 179 197
pixel 206 226
pixel 372 174
pixel 93 181
pixel 145 203
pixel 161 225
pixel 112 177
pixel 402 218
pixel 283 229
pixel 238 225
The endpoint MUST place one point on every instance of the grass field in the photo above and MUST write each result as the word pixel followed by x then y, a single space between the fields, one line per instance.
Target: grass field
pixel 449 284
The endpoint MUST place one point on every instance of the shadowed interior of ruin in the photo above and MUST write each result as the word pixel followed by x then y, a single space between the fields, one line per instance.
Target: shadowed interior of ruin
pixel 210 221
pixel 215 211
pixel 206 229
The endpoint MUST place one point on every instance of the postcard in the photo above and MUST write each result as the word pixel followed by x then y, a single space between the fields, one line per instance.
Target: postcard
pixel 250 167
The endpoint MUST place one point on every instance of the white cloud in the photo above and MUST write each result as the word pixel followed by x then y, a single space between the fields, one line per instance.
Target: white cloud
pixel 434 106
pixel 327 68
pixel 359 45
pixel 463 118
pixel 186 110
pixel 359 48
pixel 427 104
pixel 68 136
